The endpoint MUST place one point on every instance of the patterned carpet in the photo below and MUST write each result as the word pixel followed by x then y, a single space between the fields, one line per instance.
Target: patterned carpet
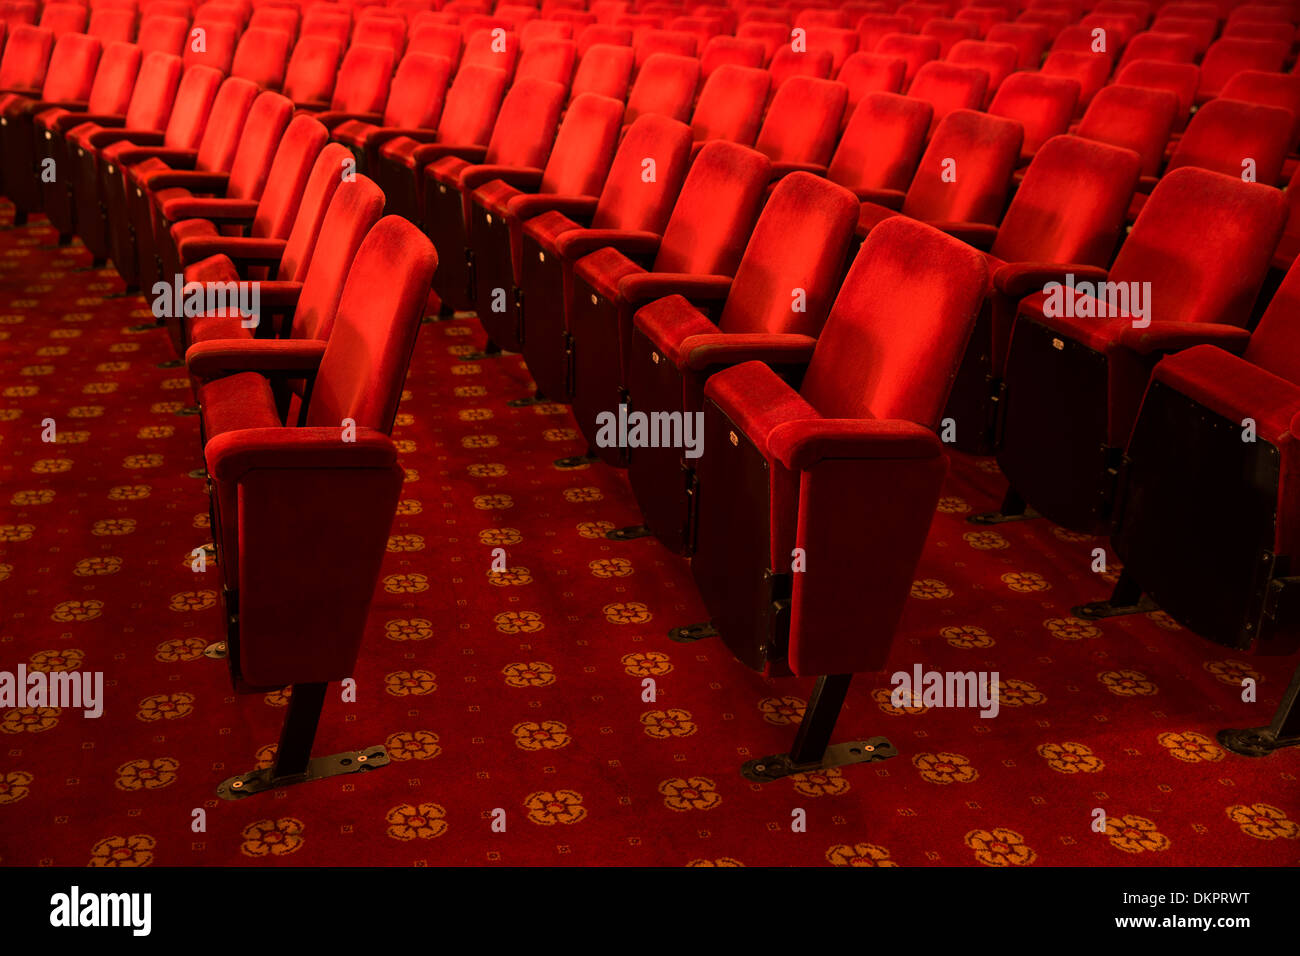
pixel 521 692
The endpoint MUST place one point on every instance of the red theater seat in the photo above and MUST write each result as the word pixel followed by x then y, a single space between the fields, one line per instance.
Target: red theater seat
pixel 574 176
pixel 301 622
pixel 1228 57
pixel 414 106
pixel 862 424
pixel 637 198
pixel 1203 243
pixel 516 152
pixel 802 125
pixel 772 310
pixel 879 151
pixel 696 256
pixel 1042 105
pixel 664 85
pixel 730 106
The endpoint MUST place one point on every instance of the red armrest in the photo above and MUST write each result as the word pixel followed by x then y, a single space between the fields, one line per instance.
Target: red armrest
pixel 719 348
pixel 978 234
pixel 1174 336
pixel 173 157
pixel 239 249
pixel 194 180
pixel 631 242
pixel 331 118
pixel 521 177
pixel 215 209
pixel 1017 279
pixel 577 208
pixel 219 357
pixel 141 137
pixel 279 295
pixel 68 120
pixel 429 152
pixel 377 136
pixel 786 167
pixel 889 198
pixel 670 321
pixel 644 287
pixel 801 444
pixel 233 454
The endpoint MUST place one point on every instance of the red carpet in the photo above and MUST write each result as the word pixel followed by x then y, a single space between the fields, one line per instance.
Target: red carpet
pixel 523 690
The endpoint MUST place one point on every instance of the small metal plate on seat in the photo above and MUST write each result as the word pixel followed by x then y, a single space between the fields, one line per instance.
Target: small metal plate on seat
pixel 767 769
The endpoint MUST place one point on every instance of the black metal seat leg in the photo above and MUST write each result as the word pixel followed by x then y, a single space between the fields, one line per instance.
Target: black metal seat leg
pixel 1127 598
pixel 812 748
pixel 1013 508
pixel 1284 731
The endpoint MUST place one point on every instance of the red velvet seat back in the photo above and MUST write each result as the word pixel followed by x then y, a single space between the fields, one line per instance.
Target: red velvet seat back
pixel 1089 70
pixel 64 18
pixel 794 258
pixel 286 181
pixel 309 78
pixel 439 39
pixel 112 26
pixel 948 87
pixel 550 60
pixel 26 56
pixel 966 170
pixel 195 97
pixel 950 32
pixel 603 35
pixel 1071 205
pixel 788 64
pixel 1225 134
pixel 156 86
pixel 1275 343
pixel 115 79
pixel 916 50
pixel 213 47
pixel 159 34
pixel 839 43
pixel 259 139
pixel 865 73
pixel 325 179
pixel 900 324
pixel 803 121
pixel 1203 240
pixel 605 70
pixel 71 72
pixel 665 85
pixel 364 367
pixel 525 126
pixel 1269 89
pixel 715 209
pixel 731 104
pixel 1134 118
pixel 380 32
pixel 584 147
pixel 731 51
pixel 482 49
pixel 363 80
pixel 1180 79
pixel 874 27
pixel 1168 47
pixel 671 42
pixel 262 56
pixel 882 144
pixel 628 200
pixel 225 124
pixel 998 60
pixel 1227 57
pixel 1043 105
pixel 419 88
pixel 355 207
pixel 471 105
pixel 1030 41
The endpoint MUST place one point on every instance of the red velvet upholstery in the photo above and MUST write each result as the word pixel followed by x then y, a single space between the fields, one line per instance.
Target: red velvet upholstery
pixel 302 621
pixel 517 151
pixel 865 73
pixel 551 60
pixel 414 107
pixel 998 60
pixel 604 69
pixel 1269 89
pixel 149 173
pixel 773 311
pixel 1227 57
pixel 361 89
pixel 789 63
pixel 1203 244
pixel 730 105
pixel 309 77
pixel 963 177
pixel 1169 47
pixel 1224 134
pixel 1135 118
pixel 463 130
pixel 1181 79
pixel 1030 41
pixel 950 32
pixel 704 237
pixel 637 198
pixel 722 51
pixel 163 34
pixel 947 87
pixel 263 57
pixel 879 151
pixel 860 426
pixel 210 43
pixel 26 57
pixel 802 124
pixel 916 50
pixel 577 167
pixel 1042 104
pixel 665 84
